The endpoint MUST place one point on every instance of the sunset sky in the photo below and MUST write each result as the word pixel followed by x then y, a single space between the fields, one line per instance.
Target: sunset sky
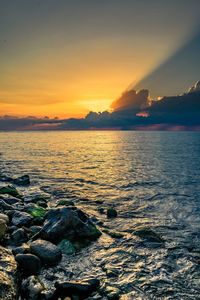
pixel 66 57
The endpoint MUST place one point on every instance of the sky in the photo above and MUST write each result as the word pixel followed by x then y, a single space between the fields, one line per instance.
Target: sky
pixel 66 57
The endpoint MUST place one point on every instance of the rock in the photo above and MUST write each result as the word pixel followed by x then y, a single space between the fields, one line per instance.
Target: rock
pixel 19 236
pixel 23 249
pixel 5 178
pixel 22 180
pixel 21 219
pixel 66 247
pixel 8 275
pixel 4 206
pixel 31 288
pixel 65 202
pixel 42 204
pixel 112 293
pixel 3 228
pixel 9 199
pixel 81 289
pixel 111 213
pixel 28 263
pixel 49 253
pixel 4 218
pixel 70 223
pixel 35 229
pixel 148 234
pixel 10 190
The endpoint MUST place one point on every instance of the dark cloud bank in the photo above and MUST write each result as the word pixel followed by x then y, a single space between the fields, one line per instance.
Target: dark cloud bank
pixel 132 111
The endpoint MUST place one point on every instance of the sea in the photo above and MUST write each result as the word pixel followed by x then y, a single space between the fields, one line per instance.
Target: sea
pixel 152 179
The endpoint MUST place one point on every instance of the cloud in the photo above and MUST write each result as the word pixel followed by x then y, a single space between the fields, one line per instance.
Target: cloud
pixel 131 100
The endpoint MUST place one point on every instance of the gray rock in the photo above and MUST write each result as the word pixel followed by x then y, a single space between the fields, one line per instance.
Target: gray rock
pixel 70 223
pixel 8 275
pixel 23 249
pixel 49 253
pixel 21 219
pixel 29 264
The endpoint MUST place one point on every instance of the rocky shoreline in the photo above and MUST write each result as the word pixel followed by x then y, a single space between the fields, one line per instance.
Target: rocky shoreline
pixel 35 236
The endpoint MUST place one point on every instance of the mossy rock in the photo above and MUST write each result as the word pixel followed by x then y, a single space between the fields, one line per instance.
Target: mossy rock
pixel 10 190
pixel 38 212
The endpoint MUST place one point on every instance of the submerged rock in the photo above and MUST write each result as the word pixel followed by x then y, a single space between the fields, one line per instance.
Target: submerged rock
pixel 70 223
pixel 28 263
pixel 81 289
pixel 49 253
pixel 148 234
pixel 66 247
pixel 8 275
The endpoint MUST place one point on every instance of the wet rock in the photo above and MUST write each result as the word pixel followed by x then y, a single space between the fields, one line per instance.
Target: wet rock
pixel 29 264
pixel 37 211
pixel 4 218
pixel 21 219
pixel 49 253
pixel 10 190
pixel 8 275
pixel 32 288
pixel 111 213
pixel 148 234
pixel 22 180
pixel 3 228
pixel 70 223
pixel 81 289
pixel 19 236
pixel 42 204
pixel 4 206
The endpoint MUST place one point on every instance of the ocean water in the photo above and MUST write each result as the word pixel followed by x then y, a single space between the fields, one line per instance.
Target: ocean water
pixel 151 178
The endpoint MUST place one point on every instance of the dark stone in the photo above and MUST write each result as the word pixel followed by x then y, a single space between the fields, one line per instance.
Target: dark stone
pixel 10 190
pixel 19 236
pixel 49 253
pixel 9 199
pixel 111 213
pixel 22 180
pixel 82 288
pixel 148 234
pixel 29 264
pixel 21 219
pixel 70 223
pixel 21 250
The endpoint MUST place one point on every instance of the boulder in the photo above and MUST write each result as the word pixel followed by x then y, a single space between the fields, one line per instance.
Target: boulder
pixel 29 264
pixel 49 253
pixel 81 289
pixel 70 223
pixel 8 275
pixel 21 218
